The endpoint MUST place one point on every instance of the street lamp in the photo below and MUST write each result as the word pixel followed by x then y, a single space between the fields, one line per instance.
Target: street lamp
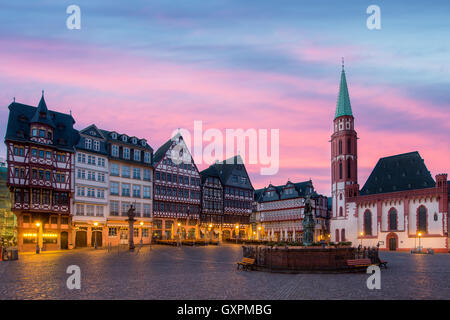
pixel 361 234
pixel 141 223
pixel 420 235
pixel 237 232
pixel 95 234
pixel 209 229
pixel 179 234
pixel 38 224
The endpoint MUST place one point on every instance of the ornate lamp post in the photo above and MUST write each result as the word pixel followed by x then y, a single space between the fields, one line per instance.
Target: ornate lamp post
pixel 95 234
pixel 131 214
pixel 38 224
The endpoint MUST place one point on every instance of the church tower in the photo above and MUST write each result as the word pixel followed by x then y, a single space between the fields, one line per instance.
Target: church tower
pixel 343 151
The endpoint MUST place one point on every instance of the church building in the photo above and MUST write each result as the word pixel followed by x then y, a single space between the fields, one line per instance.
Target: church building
pixel 400 207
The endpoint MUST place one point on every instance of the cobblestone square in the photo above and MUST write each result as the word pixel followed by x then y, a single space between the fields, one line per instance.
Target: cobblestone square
pixel 210 273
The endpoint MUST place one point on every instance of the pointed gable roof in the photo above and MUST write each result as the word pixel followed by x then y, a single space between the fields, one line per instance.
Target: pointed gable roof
pixel 42 115
pixel 301 190
pixel 400 172
pixel 225 170
pixel 343 107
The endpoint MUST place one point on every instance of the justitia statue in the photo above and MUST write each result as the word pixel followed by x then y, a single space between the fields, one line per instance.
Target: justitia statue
pixel 308 223
pixel 131 220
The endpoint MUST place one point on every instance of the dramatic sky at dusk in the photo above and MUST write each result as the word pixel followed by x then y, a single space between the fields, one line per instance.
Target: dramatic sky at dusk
pixel 145 68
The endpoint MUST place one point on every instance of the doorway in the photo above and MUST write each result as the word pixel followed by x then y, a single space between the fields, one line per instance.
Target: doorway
pixel 96 235
pixel 392 242
pixel 64 240
pixel 81 239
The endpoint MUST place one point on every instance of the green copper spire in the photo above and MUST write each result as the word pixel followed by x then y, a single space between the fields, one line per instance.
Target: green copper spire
pixel 343 107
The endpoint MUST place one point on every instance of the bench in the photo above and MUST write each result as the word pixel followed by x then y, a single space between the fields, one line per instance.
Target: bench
pixel 359 263
pixel 246 263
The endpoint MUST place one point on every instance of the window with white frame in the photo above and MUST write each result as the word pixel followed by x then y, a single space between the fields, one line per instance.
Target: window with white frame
pixel 147 157
pixel 115 150
pixel 90 210
pixel 138 209
pixel 88 143
pixel 126 153
pixel 115 169
pixel 136 173
pixel 136 191
pixel 126 171
pixel 137 155
pixel 80 209
pixel 99 211
pixel 101 162
pixel 147 174
pixel 114 208
pixel 146 212
pixel 96 145
pixel 147 193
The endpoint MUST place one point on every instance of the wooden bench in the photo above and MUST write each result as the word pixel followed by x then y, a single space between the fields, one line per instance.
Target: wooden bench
pixel 357 263
pixel 246 263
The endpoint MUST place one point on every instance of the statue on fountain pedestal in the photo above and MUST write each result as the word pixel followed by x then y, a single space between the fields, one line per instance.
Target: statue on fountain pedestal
pixel 131 214
pixel 308 223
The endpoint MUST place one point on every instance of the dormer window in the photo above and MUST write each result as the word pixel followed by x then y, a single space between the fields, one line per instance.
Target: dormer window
pixel 134 140
pixel 137 155
pixel 96 145
pixel 143 143
pixel 34 132
pixel 88 143
pixel 41 133
pixel 114 135
pixel 126 153
pixel 124 138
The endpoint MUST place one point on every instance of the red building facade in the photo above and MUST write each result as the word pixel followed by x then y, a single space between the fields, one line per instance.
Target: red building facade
pixel 40 156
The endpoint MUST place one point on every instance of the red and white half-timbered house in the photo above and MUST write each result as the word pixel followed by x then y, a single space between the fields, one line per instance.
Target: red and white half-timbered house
pixel 40 151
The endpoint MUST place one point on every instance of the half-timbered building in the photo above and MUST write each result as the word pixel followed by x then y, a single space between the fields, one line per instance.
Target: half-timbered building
pixel 40 155
pixel 237 197
pixel 280 212
pixel 176 192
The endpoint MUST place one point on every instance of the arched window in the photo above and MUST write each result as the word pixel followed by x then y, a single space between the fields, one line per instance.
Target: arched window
pixel 392 219
pixel 340 196
pixel 343 235
pixel 349 173
pixel 422 219
pixel 341 212
pixel 367 223
pixel 349 146
pixel 337 235
pixel 340 169
pixel 340 146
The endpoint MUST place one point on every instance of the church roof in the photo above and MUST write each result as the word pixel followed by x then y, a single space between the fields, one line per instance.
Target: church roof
pixel 401 172
pixel 343 107
pixel 22 115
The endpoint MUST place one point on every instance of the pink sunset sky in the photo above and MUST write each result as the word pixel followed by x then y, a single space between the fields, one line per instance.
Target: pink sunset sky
pixel 148 77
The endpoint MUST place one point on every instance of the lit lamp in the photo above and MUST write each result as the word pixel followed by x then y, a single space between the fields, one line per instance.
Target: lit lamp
pixel 237 233
pixel 141 223
pixel 361 234
pixel 209 229
pixel 259 233
pixel 38 224
pixel 95 233
pixel 420 235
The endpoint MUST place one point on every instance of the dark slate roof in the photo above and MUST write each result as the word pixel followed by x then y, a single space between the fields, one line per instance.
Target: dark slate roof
pixel 401 172
pixel 42 115
pixel 301 189
pixel 161 152
pixel 98 135
pixel 18 129
pixel 128 143
pixel 211 171
pixel 226 168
